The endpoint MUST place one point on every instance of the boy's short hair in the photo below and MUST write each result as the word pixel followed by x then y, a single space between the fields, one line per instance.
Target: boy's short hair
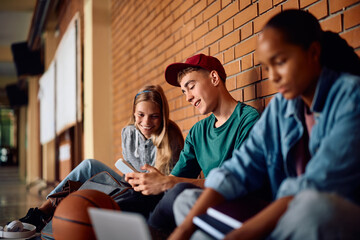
pixel 187 70
pixel 198 61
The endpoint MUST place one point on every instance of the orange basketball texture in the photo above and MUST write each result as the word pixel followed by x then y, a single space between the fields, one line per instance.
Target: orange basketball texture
pixel 71 219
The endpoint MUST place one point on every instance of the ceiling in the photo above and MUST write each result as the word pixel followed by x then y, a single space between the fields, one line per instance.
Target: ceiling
pixel 15 21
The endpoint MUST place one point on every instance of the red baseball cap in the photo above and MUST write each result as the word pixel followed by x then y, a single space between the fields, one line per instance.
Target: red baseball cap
pixel 200 60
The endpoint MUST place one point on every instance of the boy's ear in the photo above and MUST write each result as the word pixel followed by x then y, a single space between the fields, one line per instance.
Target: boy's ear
pixel 215 78
pixel 315 51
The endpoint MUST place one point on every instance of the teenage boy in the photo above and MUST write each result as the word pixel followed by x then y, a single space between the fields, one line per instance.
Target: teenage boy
pixel 209 142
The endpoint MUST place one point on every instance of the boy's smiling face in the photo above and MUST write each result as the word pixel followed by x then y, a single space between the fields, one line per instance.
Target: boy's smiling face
pixel 199 90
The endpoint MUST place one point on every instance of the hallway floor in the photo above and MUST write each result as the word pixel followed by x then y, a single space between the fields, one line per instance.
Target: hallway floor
pixel 15 200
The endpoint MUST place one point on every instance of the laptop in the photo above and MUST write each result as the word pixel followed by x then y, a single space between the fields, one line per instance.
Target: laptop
pixel 113 224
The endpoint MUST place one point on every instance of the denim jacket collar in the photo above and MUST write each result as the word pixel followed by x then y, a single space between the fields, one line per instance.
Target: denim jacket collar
pixel 325 82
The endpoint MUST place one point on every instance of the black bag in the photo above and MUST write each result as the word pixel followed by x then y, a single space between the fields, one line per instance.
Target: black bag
pixel 124 195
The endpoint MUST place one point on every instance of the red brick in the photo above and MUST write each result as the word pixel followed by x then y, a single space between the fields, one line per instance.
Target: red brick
pixel 305 3
pixel 244 4
pixel 245 16
pixel 177 115
pixel 200 31
pixel 230 40
pixel 228 26
pixel 352 37
pixel 213 22
pixel 358 52
pixel 199 20
pixel 187 16
pixel 188 28
pixel 258 104
pixel 228 12
pixel 232 68
pixel 188 39
pixel 320 9
pixel 264 5
pixel 189 122
pixel 230 83
pixel 185 6
pixel 268 99
pixel 246 31
pixel 213 36
pixel 332 24
pixel 189 111
pixel 214 49
pixel 352 17
pixel 276 2
pixel 248 77
pixel 291 4
pixel 265 88
pixel 237 95
pixel 246 62
pixel 211 10
pixel 260 21
pixel 229 55
pixel 201 5
pixel 337 5
pixel 224 3
pixel 174 5
pixel 245 47
pixel 249 93
pixel 177 24
pixel 200 44
pixel 264 74
pixel 189 51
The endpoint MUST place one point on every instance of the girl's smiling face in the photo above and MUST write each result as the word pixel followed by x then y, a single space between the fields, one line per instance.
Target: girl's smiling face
pixel 148 118
pixel 292 69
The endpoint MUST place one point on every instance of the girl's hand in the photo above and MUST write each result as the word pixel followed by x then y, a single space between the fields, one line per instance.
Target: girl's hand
pixel 151 183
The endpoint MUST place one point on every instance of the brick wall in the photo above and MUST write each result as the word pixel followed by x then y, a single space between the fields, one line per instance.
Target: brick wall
pixel 148 35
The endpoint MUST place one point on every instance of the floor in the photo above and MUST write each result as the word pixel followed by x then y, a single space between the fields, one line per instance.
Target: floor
pixel 15 199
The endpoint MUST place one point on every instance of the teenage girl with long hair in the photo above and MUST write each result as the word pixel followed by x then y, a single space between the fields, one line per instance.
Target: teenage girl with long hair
pixel 150 138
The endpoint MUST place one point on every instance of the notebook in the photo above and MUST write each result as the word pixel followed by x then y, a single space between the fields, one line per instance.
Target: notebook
pixel 222 219
pixel 112 224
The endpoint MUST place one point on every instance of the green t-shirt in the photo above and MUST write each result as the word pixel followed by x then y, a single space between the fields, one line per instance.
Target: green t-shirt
pixel 207 147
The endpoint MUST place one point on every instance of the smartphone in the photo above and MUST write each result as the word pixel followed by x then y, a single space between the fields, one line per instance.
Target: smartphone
pixel 124 166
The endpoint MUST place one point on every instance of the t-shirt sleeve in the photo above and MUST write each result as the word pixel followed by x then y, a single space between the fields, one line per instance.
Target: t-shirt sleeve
pixel 187 166
pixel 249 117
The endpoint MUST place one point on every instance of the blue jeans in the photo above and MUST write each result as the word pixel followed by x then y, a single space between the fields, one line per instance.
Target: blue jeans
pixel 311 215
pixel 85 170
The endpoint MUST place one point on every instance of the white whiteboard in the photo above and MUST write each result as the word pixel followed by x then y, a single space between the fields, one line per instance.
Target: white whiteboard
pixel 66 80
pixel 47 105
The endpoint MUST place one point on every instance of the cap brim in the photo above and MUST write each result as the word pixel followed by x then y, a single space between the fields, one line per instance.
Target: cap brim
pixel 171 72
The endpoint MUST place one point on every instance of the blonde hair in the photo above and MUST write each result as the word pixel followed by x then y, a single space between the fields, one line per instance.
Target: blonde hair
pixel 161 139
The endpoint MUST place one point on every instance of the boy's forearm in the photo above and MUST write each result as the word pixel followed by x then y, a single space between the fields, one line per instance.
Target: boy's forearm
pixel 173 180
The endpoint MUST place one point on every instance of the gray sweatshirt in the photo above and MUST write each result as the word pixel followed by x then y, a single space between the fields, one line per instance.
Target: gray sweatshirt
pixel 136 149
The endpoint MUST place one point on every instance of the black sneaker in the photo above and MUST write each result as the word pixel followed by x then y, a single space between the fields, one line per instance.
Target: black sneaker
pixel 37 218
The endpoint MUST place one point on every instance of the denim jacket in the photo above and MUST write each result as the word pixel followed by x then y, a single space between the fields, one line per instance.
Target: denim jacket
pixel 268 154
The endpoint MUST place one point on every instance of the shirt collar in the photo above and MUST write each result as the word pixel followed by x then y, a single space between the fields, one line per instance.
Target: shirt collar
pixel 326 80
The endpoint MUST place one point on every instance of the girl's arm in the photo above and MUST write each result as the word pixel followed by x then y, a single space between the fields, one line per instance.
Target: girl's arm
pixel 154 182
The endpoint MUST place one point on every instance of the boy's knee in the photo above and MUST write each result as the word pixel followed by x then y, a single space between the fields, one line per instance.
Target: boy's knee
pixel 184 202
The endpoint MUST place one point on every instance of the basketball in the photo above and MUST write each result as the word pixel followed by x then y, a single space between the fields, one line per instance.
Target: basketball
pixel 71 219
